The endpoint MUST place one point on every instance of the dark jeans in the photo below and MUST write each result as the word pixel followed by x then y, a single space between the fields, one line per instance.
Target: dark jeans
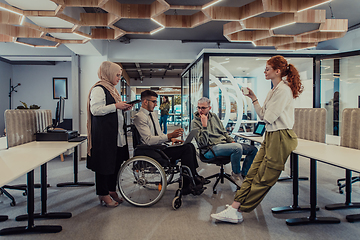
pixel 186 153
pixel 107 183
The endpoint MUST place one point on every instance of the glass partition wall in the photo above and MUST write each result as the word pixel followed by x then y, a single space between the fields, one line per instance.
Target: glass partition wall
pixel 221 77
pixel 340 87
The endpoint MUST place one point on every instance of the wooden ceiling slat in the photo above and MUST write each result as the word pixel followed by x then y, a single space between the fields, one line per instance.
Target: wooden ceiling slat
pixel 94 19
pixel 334 25
pixel 252 9
pixel 102 33
pixel 10 18
pixel 304 4
pixel 40 13
pixel 19 31
pixel 157 8
pixel 232 27
pixel 258 29
pixel 280 5
pixel 274 41
pixel 198 19
pixel 6 38
pixel 223 13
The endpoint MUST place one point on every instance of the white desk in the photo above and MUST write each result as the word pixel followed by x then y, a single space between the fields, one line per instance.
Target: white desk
pixel 66 145
pixel 338 156
pixel 16 161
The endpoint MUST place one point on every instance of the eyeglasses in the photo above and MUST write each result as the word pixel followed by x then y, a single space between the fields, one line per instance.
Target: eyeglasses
pixel 154 101
pixel 203 108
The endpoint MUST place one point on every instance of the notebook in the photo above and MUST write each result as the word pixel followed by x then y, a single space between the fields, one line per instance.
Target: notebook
pixel 258 131
pixel 189 137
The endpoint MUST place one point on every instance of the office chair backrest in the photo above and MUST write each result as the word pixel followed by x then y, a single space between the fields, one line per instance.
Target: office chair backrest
pixel 21 125
pixel 310 123
pixel 350 128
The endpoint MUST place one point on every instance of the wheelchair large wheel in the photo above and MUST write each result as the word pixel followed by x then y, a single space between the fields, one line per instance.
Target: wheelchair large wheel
pixel 142 181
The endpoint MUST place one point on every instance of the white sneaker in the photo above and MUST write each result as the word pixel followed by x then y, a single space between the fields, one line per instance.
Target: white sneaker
pixel 230 214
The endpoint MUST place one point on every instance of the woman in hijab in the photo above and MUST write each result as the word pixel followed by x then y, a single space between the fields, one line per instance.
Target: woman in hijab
pixel 107 144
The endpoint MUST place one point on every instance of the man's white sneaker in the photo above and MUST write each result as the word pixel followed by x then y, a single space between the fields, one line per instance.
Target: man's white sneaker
pixel 230 214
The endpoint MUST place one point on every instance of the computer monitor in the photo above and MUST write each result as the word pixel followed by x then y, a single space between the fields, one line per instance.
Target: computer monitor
pixel 59 112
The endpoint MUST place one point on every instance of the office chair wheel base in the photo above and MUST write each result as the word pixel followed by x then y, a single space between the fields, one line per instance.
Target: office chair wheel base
pixel 341 191
pixel 13 204
pixel 214 191
pixel 24 193
pixel 176 203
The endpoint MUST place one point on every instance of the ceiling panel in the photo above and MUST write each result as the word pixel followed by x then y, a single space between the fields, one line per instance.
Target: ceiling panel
pixel 51 22
pixel 180 12
pixel 136 1
pixel 296 28
pixel 232 3
pixel 211 31
pixel 41 5
pixel 188 2
pixel 67 36
pixel 137 25
pixel 37 41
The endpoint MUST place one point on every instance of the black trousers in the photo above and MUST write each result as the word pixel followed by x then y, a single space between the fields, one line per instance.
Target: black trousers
pixel 107 183
pixel 186 153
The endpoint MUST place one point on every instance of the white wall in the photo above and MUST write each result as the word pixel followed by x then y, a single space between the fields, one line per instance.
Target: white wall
pixel 89 66
pixel 6 74
pixel 37 85
pixel 305 100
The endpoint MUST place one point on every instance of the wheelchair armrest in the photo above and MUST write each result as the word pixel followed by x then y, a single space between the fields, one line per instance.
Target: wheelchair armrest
pixel 158 148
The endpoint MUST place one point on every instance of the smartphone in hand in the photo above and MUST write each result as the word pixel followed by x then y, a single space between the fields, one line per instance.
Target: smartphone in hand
pixel 133 102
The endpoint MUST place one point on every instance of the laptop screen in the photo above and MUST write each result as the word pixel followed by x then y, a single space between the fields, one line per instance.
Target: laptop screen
pixel 260 128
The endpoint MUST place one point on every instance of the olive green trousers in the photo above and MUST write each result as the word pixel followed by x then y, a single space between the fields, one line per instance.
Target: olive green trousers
pixel 266 168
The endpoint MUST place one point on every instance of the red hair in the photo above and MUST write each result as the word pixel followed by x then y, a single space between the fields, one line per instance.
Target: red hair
pixel 288 70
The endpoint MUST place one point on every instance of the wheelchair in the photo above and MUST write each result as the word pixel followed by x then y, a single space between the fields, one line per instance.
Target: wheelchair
pixel 142 180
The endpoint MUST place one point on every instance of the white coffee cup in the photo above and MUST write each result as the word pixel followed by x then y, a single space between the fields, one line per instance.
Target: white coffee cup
pixel 245 90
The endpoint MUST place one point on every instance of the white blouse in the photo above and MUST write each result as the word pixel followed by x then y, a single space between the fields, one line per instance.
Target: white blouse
pixel 278 109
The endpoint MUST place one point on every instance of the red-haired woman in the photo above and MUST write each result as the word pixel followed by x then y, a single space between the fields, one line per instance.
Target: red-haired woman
pixel 280 140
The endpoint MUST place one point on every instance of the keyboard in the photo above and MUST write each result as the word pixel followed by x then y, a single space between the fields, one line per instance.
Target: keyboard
pixel 77 139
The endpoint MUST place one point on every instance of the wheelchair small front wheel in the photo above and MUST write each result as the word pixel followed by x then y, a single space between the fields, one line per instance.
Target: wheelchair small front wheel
pixel 176 203
pixel 142 181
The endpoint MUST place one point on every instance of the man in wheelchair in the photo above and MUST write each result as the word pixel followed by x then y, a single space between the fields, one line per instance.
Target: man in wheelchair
pixel 148 127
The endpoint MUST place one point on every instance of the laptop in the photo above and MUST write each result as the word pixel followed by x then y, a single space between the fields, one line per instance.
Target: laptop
pixel 258 131
pixel 189 137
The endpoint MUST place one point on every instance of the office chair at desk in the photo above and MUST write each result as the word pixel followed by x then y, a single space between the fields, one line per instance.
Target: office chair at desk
pixel 6 193
pixel 341 186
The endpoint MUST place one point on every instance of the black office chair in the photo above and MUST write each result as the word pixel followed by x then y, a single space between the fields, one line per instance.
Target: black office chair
pixel 341 186
pixel 219 161
pixel 6 193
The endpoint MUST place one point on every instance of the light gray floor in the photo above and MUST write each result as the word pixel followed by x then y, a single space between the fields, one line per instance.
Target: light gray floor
pixel 192 220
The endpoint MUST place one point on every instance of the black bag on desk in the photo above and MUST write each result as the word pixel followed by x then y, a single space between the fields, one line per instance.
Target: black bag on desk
pixel 153 151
